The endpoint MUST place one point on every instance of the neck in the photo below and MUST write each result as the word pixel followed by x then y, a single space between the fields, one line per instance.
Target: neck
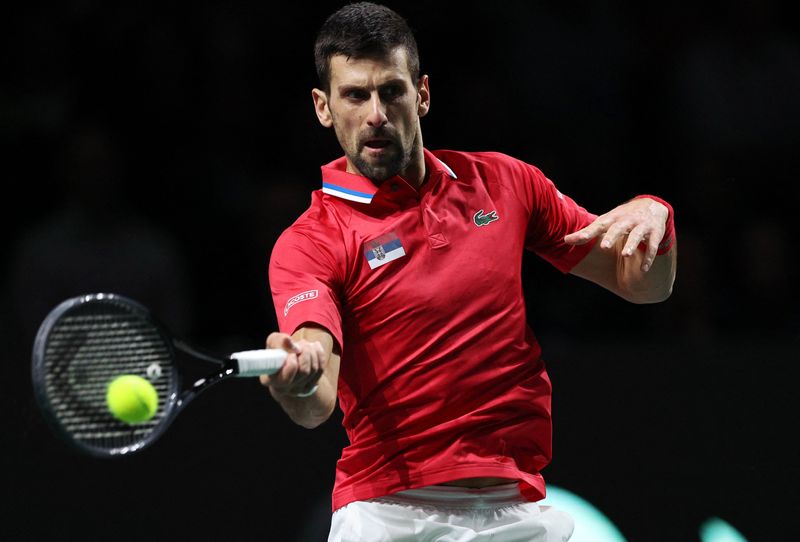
pixel 415 173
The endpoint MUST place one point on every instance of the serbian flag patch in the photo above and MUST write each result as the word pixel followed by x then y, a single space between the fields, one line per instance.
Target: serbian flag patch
pixel 383 250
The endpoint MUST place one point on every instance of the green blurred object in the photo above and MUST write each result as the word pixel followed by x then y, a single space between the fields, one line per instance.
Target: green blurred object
pixel 718 530
pixel 591 525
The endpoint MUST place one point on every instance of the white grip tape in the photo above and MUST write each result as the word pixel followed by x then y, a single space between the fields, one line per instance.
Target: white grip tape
pixel 259 362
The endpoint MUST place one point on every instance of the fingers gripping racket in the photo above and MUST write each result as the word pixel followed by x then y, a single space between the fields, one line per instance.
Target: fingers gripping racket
pixel 87 341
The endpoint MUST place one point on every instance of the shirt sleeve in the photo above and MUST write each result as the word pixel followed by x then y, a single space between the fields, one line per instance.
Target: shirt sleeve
pixel 305 284
pixel 553 215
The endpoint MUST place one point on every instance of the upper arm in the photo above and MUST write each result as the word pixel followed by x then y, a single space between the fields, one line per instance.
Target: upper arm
pixel 305 282
pixel 553 215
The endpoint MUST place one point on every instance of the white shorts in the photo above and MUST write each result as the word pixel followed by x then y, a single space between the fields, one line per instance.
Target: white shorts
pixel 450 514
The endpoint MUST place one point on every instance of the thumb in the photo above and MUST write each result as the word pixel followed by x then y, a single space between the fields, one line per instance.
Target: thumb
pixel 290 346
pixel 282 340
pixel 580 237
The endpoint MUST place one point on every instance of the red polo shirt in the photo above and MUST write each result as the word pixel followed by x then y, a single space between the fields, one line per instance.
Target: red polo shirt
pixel 441 377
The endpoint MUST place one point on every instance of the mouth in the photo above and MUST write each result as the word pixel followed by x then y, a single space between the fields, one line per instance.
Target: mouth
pixel 377 143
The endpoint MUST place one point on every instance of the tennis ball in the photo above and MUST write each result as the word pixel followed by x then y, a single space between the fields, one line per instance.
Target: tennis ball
pixel 132 399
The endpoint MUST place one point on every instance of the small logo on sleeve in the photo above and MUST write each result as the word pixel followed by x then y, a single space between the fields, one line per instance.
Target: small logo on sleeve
pixel 481 219
pixel 383 250
pixel 299 298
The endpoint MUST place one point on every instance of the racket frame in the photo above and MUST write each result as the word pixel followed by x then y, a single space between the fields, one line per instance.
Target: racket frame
pixel 177 396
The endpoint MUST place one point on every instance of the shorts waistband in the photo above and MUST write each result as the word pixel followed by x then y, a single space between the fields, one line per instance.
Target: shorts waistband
pixel 459 497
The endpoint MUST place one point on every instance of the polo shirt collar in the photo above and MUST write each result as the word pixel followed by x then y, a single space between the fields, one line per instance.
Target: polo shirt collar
pixel 337 181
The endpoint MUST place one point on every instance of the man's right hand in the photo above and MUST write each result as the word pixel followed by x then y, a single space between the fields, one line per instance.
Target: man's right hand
pixel 306 385
pixel 302 369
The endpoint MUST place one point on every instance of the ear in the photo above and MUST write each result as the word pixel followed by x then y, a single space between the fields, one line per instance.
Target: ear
pixel 423 96
pixel 321 107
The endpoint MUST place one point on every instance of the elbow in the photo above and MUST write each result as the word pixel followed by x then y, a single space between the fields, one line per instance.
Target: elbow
pixel 649 295
pixel 652 297
pixel 647 288
pixel 309 424
pixel 313 419
pixel 312 423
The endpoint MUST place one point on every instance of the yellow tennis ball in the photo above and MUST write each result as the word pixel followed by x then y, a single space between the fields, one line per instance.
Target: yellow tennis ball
pixel 132 399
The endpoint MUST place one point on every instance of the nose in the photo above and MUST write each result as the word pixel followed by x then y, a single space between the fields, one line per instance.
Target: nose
pixel 377 112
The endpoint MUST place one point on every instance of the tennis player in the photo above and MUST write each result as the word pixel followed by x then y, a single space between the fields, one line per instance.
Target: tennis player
pixel 399 292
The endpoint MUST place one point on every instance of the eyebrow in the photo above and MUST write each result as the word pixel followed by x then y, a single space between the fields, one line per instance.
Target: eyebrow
pixel 351 86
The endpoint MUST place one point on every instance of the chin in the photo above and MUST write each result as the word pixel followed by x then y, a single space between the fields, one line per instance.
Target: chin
pixel 379 177
pixel 377 173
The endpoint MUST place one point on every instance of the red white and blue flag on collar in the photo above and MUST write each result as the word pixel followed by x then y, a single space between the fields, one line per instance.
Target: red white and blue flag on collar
pixel 347 193
pixel 383 250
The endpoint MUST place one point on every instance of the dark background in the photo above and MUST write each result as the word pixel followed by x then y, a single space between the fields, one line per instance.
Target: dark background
pixel 158 150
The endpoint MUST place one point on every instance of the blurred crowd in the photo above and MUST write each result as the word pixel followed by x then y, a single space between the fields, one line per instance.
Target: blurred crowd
pixel 158 151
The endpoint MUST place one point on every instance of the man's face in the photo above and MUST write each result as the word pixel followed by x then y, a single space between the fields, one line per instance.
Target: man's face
pixel 374 108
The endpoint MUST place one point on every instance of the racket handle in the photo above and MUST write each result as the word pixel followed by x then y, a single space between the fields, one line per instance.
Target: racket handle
pixel 259 362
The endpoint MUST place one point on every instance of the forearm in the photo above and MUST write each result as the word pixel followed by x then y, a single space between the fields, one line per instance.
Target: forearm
pixel 635 255
pixel 312 411
pixel 312 354
pixel 652 286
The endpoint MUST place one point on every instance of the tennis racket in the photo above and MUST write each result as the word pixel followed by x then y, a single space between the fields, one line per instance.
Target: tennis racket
pixel 87 341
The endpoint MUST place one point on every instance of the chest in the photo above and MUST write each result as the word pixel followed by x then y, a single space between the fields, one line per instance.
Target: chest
pixel 458 243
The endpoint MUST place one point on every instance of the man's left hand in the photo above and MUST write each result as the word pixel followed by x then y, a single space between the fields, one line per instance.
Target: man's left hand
pixel 641 219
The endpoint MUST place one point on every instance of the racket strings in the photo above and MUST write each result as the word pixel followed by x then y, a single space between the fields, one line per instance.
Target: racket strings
pixel 86 349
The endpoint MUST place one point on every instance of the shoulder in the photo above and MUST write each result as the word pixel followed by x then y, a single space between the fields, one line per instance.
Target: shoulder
pixel 324 215
pixel 499 170
pixel 487 164
pixel 320 226
pixel 472 157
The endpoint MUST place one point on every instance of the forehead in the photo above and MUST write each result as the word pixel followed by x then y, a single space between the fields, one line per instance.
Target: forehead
pixel 369 70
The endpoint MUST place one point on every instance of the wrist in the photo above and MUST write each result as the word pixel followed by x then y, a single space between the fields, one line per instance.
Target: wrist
pixel 307 393
pixel 278 393
pixel 668 239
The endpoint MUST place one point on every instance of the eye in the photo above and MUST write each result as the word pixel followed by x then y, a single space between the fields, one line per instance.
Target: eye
pixel 391 92
pixel 356 95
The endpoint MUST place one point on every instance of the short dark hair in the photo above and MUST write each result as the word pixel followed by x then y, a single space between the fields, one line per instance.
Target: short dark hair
pixel 363 30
